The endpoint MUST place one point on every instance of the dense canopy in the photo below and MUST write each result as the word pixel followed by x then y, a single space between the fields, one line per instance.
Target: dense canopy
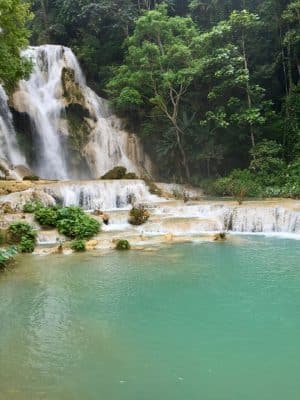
pixel 210 86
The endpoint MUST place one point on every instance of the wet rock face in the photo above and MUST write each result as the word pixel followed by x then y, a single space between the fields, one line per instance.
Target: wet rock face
pixel 71 90
pixel 15 202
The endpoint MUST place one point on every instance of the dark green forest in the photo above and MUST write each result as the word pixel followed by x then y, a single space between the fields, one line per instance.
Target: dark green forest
pixel 212 88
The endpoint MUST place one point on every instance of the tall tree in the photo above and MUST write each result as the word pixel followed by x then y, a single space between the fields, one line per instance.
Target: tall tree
pixel 159 67
pixel 13 38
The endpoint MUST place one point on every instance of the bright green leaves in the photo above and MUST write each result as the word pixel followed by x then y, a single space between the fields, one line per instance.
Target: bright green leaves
pixel 13 38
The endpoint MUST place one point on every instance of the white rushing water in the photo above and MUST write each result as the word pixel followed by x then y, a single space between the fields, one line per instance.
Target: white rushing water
pixel 42 98
pixel 104 195
pixel 10 154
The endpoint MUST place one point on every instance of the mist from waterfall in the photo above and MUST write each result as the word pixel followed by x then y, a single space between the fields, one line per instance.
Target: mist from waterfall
pixel 9 149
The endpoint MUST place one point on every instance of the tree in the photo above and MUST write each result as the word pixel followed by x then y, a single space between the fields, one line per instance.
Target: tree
pixel 13 38
pixel 162 60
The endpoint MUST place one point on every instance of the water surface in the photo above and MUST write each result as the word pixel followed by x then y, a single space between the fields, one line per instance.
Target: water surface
pixel 209 321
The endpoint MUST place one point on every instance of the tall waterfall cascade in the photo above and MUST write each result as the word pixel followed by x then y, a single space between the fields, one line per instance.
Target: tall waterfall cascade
pixel 10 154
pixel 74 132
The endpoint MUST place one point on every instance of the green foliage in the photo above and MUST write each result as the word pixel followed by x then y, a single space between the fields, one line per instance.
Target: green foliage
pixel 239 184
pixel 26 245
pixel 46 216
pixel 201 82
pixel 74 223
pixel 22 234
pixel 123 244
pixel 7 256
pixel 78 245
pixel 266 163
pixel 32 206
pixel 14 14
pixel 138 215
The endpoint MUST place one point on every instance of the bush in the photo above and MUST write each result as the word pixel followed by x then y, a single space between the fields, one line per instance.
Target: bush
pixel 20 229
pixel 122 244
pixel 22 234
pixel 267 165
pixel 31 206
pixel 46 216
pixel 74 223
pixel 26 245
pixel 7 256
pixel 239 184
pixel 138 215
pixel 78 245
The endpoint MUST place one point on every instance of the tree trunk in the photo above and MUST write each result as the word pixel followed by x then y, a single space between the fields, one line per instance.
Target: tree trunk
pixel 248 95
pixel 181 149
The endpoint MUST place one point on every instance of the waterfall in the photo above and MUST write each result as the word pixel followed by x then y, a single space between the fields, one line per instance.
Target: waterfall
pixel 9 150
pixel 104 195
pixel 46 99
pixel 39 97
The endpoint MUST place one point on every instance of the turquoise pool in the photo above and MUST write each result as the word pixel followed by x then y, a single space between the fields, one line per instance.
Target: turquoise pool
pixel 211 321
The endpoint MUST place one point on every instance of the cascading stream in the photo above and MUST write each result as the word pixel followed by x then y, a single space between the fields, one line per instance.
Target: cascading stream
pixel 9 149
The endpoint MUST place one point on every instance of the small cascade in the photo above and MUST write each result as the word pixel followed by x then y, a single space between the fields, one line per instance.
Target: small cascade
pixel 102 195
pixel 10 154
pixel 75 133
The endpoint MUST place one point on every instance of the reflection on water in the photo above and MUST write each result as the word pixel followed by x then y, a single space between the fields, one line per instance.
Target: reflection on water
pixel 210 320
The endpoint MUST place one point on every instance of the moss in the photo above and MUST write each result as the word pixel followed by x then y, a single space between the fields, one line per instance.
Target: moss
pixel 153 189
pixel 115 173
pixel 77 126
pixel 31 178
pixel 71 89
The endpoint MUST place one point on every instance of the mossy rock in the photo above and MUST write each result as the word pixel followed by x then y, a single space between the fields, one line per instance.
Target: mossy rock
pixel 71 89
pixel 79 129
pixel 123 244
pixel 138 215
pixel 220 237
pixel 115 173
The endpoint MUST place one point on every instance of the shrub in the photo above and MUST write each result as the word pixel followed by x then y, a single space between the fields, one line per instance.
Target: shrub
pixel 267 164
pixel 138 215
pixel 7 256
pixel 31 206
pixel 74 223
pixel 46 216
pixel 78 245
pixel 20 229
pixel 26 245
pixel 122 244
pixel 239 184
pixel 22 234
